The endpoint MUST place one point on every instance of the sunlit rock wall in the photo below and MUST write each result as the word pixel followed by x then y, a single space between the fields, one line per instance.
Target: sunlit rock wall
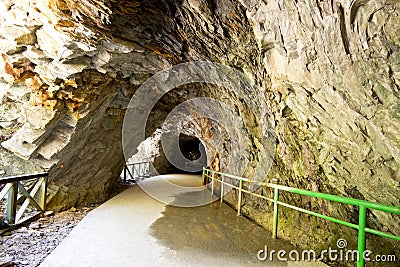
pixel 328 70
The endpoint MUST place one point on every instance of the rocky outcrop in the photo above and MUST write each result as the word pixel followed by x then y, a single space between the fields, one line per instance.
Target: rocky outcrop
pixel 329 72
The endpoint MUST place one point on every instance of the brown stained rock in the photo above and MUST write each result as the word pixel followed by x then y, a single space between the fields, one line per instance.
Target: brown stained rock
pixel 35 83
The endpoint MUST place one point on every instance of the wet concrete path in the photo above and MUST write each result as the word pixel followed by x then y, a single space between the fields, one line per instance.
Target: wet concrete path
pixel 133 229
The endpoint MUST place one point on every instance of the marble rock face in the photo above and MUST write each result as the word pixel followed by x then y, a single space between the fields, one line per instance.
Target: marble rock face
pixel 325 73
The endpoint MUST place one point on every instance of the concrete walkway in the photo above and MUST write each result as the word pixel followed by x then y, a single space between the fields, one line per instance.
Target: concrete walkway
pixel 133 229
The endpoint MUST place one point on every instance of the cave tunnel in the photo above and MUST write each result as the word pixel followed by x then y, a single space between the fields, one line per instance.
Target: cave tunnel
pixel 188 157
pixel 319 115
pixel 177 118
pixel 194 151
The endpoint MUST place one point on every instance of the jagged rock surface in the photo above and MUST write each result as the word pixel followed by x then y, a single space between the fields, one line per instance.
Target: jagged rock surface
pixel 328 70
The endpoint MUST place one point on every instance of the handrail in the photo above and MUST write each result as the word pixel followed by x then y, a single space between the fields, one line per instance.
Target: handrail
pixel 14 187
pixel 136 163
pixel 362 204
pixel 10 179
pixel 341 199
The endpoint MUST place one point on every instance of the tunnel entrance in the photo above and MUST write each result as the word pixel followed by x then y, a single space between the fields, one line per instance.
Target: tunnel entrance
pixel 192 150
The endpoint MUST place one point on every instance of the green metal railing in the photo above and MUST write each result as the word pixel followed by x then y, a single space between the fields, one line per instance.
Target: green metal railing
pixel 362 204
pixel 137 170
pixel 14 192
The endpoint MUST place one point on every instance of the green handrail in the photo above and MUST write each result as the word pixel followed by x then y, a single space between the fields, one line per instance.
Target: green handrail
pixel 362 204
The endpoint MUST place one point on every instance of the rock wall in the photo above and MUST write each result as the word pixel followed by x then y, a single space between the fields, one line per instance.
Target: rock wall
pixel 328 70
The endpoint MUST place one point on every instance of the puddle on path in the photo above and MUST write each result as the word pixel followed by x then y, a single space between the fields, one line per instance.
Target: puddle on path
pixel 213 230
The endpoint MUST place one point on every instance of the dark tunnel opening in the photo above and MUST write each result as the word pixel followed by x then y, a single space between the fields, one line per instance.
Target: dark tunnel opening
pixel 194 152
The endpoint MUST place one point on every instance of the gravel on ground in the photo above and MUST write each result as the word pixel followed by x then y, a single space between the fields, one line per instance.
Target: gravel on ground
pixel 29 245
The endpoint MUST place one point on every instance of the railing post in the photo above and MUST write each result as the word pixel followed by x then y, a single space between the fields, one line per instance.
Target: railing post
pixel 125 173
pixel 240 197
pixel 203 177
pixel 362 221
pixel 43 193
pixel 12 203
pixel 275 223
pixel 222 188
pixel 212 183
